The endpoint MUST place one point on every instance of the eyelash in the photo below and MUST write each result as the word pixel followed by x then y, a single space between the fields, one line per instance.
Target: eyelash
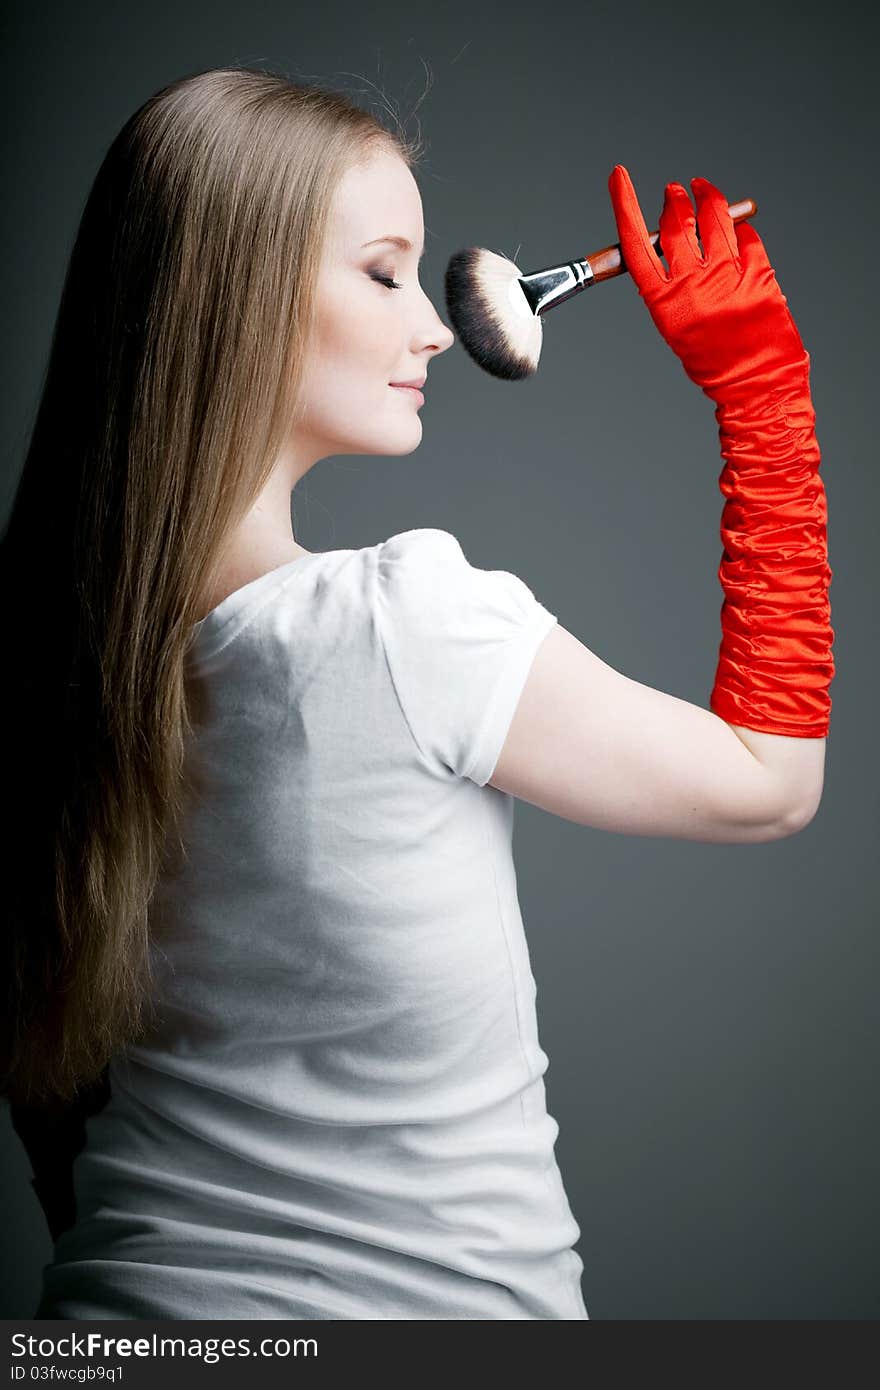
pixel 385 280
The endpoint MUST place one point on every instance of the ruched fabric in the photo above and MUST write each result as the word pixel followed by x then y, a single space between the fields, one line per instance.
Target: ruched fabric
pixel 775 662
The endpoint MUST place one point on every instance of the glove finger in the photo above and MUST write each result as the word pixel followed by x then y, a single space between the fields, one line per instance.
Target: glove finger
pixel 636 249
pixel 750 248
pixel 678 231
pixel 717 227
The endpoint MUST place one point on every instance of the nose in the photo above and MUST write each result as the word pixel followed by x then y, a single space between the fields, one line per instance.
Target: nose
pixel 448 335
pixel 439 335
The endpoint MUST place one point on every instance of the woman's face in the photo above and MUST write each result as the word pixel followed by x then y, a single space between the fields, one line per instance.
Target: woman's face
pixel 369 335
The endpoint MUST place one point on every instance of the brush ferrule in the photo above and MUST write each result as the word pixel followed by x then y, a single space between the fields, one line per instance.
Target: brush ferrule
pixel 544 289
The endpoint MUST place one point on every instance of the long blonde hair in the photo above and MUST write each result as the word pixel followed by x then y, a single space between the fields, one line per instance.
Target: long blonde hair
pixel 171 386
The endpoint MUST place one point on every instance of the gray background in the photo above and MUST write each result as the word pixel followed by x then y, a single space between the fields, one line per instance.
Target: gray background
pixel 708 1010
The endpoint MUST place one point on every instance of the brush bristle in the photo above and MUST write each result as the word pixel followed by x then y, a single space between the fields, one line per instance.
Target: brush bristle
pixel 489 313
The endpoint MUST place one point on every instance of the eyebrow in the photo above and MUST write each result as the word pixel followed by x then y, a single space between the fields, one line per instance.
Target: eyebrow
pixel 400 241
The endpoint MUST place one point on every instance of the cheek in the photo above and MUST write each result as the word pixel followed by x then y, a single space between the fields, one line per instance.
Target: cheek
pixel 355 350
pixel 360 328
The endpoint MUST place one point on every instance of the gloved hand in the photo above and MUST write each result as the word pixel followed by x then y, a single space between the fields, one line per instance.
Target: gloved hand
pixel 722 312
pixel 727 320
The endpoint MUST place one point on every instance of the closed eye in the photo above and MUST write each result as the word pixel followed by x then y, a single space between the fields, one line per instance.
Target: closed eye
pixel 385 280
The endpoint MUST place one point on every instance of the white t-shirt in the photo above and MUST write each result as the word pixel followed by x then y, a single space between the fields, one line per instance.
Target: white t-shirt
pixel 340 1112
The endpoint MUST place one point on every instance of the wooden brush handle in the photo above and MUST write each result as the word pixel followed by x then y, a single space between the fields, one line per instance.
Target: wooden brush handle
pixel 609 261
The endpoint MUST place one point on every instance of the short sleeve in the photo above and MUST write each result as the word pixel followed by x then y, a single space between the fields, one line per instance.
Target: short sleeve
pixel 459 644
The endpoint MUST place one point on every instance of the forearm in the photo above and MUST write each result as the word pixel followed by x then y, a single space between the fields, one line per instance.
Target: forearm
pixel 720 308
pixel 775 662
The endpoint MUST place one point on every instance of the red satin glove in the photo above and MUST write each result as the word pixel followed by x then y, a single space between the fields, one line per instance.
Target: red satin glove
pixel 723 314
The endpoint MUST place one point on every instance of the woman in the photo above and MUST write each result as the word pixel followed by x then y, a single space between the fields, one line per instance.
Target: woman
pixel 262 881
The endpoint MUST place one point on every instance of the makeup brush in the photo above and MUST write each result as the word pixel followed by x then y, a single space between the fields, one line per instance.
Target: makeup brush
pixel 496 310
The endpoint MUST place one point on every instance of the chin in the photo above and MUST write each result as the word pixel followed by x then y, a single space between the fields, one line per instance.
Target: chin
pixel 390 443
pixel 408 445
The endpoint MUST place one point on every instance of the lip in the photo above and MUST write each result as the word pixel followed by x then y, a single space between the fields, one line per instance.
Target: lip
pixel 417 381
pixel 413 390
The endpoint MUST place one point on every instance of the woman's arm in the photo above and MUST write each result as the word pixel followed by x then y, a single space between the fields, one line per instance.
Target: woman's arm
pixel 593 746
pixel 52 1137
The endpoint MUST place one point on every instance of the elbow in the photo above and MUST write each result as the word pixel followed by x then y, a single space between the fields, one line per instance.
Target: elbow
pixel 798 819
